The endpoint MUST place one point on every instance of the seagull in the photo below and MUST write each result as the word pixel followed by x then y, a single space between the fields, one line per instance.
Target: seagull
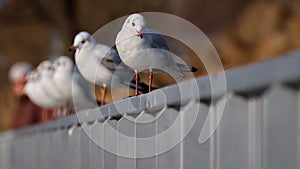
pixel 46 71
pixel 35 91
pixel 142 48
pixel 71 85
pixel 99 63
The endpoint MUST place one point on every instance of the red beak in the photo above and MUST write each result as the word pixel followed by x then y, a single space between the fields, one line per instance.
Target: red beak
pixel 140 34
pixel 51 68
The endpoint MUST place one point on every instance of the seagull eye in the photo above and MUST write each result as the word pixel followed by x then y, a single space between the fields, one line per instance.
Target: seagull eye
pixel 133 24
pixel 83 41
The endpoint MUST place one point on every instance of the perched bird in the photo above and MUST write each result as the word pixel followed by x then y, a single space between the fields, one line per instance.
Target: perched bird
pixel 46 71
pixel 143 49
pixel 71 85
pixel 36 92
pixel 99 64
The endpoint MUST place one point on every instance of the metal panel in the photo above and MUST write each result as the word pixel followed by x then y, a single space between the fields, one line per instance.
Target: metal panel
pixel 17 154
pixel 127 128
pixel 5 151
pixel 57 148
pixel 2 151
pixel 171 158
pixel 59 144
pixel 95 151
pixel 145 128
pixel 233 134
pixel 35 151
pixel 45 149
pixel 64 153
pixel 31 153
pixel 110 140
pixel 298 127
pixel 16 159
pixel 39 151
pixel 74 148
pixel 52 157
pixel 280 141
pixel 26 152
pixel 255 109
pixel 7 159
pixel 84 141
pixel 23 149
pixel 194 153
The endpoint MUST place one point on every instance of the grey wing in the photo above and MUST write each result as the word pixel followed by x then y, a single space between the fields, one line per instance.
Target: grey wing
pixel 110 64
pixel 106 52
pixel 108 57
pixel 155 39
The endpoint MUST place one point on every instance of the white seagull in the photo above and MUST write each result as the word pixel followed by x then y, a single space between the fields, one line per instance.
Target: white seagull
pixel 35 91
pixel 143 49
pixel 99 63
pixel 71 85
pixel 46 71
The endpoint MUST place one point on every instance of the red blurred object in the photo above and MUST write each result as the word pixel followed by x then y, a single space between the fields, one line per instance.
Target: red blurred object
pixel 25 113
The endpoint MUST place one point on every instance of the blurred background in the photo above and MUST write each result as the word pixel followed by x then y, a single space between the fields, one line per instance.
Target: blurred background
pixel 242 31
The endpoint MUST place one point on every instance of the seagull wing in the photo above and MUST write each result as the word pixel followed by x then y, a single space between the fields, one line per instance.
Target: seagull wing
pixel 108 57
pixel 155 39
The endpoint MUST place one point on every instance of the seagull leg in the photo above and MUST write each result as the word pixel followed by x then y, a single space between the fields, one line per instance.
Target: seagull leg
pixel 44 115
pixel 47 114
pixel 55 112
pixel 67 106
pixel 103 93
pixel 63 109
pixel 150 80
pixel 136 83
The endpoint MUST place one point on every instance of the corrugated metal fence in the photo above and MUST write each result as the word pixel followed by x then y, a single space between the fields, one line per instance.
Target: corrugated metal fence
pixel 259 128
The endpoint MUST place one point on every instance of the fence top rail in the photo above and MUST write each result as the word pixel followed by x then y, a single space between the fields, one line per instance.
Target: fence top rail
pixel 246 79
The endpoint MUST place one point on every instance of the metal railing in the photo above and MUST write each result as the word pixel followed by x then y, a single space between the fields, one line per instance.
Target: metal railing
pixel 259 127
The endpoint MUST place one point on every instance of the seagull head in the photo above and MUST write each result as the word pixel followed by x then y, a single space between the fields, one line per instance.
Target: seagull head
pixel 81 40
pixel 45 67
pixel 135 23
pixel 63 63
pixel 32 76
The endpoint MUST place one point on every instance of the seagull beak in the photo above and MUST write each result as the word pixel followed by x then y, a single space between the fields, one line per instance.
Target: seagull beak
pixel 72 48
pixel 51 68
pixel 140 34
